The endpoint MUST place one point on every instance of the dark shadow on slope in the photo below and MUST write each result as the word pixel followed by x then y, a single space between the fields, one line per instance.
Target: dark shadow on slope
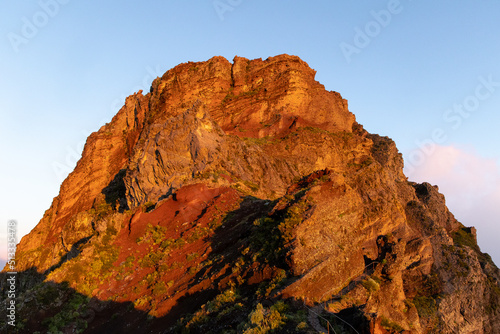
pixel 227 243
pixel 115 191
pixel 73 252
pixel 232 237
pixel 350 321
pixel 49 306
pixel 52 307
pixel 370 265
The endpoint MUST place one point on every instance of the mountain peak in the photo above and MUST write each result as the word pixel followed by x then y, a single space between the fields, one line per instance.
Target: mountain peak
pixel 243 197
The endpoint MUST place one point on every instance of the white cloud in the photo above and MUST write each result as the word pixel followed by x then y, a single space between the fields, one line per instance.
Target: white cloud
pixel 471 185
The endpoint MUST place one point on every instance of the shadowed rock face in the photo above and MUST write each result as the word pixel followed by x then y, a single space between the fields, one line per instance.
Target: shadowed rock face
pixel 244 196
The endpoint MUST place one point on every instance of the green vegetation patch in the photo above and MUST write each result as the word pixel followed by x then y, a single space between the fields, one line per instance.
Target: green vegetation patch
pixel 101 210
pixel 265 320
pixel 426 306
pixel 464 237
pixel 261 141
pixel 232 312
pixel 370 284
pixel 230 96
pixel 222 304
pixel 70 316
pixel 153 234
pixel 89 274
pixel 266 288
pixel 391 325
pixel 272 235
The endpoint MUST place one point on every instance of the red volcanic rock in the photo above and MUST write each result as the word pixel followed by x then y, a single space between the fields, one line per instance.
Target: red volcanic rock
pixel 243 197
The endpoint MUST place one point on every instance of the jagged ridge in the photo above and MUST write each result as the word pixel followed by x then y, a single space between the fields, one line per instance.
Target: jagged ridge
pixel 247 194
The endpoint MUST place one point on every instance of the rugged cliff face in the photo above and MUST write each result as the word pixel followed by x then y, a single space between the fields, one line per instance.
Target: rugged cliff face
pixel 244 198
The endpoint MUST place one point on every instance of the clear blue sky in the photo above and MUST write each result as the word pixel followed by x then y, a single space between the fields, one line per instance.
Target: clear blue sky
pixel 66 67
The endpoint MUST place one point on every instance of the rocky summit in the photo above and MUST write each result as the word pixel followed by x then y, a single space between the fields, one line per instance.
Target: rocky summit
pixel 243 197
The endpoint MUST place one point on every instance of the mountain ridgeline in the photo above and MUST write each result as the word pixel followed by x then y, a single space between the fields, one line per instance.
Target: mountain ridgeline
pixel 245 198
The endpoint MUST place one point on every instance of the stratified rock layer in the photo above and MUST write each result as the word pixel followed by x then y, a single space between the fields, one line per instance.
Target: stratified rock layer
pixel 232 186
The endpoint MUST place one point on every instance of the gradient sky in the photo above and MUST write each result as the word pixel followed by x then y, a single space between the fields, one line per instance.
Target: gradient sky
pixel 426 74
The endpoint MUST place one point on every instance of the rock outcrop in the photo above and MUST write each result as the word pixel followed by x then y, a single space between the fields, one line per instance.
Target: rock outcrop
pixel 244 197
